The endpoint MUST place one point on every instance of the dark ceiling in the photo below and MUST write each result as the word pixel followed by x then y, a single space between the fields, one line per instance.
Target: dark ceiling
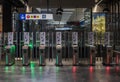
pixel 55 3
pixel 64 3
pixel 0 1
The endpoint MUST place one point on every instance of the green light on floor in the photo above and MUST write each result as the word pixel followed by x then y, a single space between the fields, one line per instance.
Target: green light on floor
pixel 13 68
pixel 41 71
pixel 57 69
pixel 6 69
pixel 32 65
pixel 23 70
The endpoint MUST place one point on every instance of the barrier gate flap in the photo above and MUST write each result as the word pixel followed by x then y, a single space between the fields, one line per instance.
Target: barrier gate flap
pixel 75 38
pixel 58 38
pixel 26 38
pixel 10 38
pixel 91 38
pixel 42 38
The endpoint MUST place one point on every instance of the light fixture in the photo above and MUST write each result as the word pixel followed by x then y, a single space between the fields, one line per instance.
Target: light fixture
pixel 106 10
pixel 59 11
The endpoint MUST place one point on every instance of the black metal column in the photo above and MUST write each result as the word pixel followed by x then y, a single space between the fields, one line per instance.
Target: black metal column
pixel 7 16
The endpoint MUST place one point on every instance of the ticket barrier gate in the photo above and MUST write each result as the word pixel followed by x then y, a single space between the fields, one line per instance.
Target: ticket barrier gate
pixel 59 55
pixel 42 55
pixel 26 49
pixel 116 52
pixel 25 56
pixel 75 48
pixel 75 55
pixel 59 49
pixel 92 55
pixel 10 53
pixel 10 50
pixel 107 56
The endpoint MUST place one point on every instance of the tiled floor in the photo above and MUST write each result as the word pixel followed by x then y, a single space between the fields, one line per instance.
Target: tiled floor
pixel 59 74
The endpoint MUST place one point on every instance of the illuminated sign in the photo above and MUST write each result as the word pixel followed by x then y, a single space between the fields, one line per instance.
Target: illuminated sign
pixel 98 22
pixel 65 28
pixel 33 16
pixel 36 16
pixel 22 16
pixel 42 38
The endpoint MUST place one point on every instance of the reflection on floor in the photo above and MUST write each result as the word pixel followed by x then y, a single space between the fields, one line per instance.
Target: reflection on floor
pixel 34 73
pixel 51 62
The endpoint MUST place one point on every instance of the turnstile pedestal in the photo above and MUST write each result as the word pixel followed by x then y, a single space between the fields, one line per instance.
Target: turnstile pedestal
pixel 75 55
pixel 10 59
pixel 25 55
pixel 92 55
pixel 59 55
pixel 42 55
pixel 107 56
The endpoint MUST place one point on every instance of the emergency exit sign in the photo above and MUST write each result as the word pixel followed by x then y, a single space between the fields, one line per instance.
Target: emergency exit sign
pixel 36 16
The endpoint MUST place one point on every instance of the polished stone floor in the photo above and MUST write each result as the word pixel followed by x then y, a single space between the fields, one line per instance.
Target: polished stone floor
pixel 34 73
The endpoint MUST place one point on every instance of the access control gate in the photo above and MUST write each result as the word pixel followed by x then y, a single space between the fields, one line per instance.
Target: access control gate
pixel 48 48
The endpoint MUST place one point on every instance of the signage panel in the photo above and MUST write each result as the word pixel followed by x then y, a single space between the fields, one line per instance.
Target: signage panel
pixel 36 16
pixel 10 38
pixel 22 16
pixel 26 38
pixel 42 38
pixel 75 38
pixel 91 38
pixel 58 38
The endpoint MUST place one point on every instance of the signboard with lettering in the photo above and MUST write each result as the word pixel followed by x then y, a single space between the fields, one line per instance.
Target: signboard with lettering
pixel 36 16
pixel 75 38
pixel 91 38
pixel 58 38
pixel 42 38
pixel 10 38
pixel 26 38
